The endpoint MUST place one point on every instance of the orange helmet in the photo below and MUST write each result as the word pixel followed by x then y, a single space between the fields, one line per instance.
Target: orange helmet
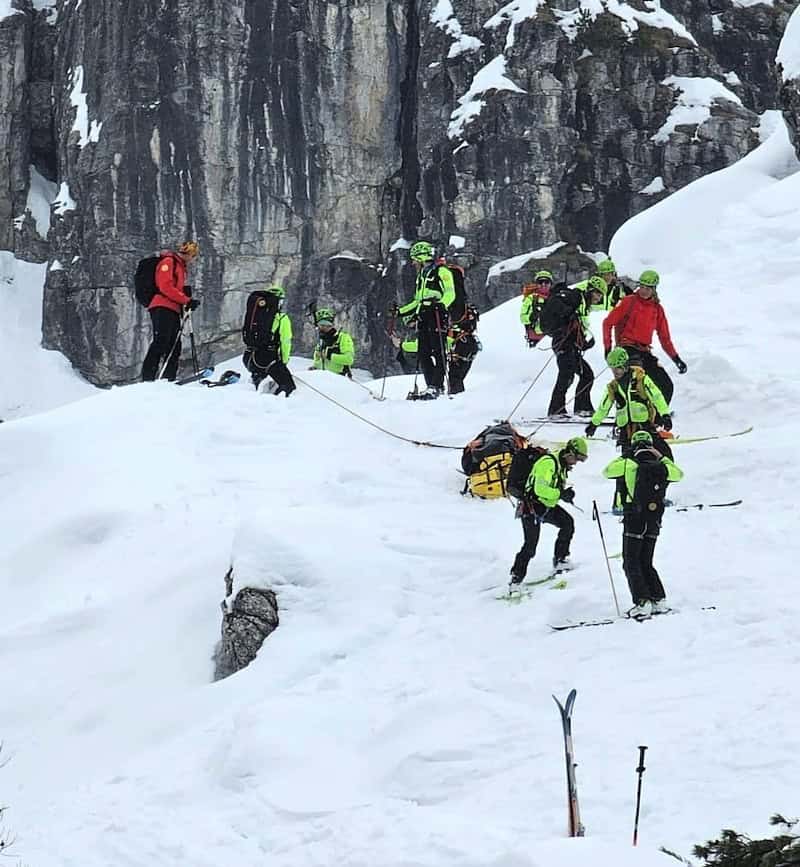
pixel 189 248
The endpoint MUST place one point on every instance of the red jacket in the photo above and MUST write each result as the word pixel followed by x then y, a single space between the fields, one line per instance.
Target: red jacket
pixel 170 280
pixel 635 320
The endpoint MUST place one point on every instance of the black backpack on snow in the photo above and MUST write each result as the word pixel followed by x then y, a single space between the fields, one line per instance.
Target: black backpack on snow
pixel 521 466
pixel 651 485
pixel 259 317
pixel 559 309
pixel 144 280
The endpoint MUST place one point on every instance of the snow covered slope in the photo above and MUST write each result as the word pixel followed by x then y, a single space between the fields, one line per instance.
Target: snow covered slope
pixel 400 715
pixel 32 379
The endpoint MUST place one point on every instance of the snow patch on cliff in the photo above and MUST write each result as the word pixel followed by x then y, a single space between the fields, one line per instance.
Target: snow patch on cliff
pixel 490 77
pixel 693 104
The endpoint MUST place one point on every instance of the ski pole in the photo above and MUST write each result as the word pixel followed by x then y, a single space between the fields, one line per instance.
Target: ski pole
pixel 640 772
pixel 388 331
pixel 191 341
pixel 596 517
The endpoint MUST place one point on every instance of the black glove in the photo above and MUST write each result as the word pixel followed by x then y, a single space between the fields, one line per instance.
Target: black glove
pixel 588 344
pixel 666 421
pixel 680 364
pixel 187 290
pixel 193 304
pixel 568 495
pixel 590 429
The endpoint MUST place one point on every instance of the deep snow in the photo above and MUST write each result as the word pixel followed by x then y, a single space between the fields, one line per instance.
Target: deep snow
pixel 400 715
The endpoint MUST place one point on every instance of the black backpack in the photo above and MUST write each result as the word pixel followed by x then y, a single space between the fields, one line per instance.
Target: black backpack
pixel 521 466
pixel 559 310
pixel 651 485
pixel 259 317
pixel 458 308
pixel 496 439
pixel 144 280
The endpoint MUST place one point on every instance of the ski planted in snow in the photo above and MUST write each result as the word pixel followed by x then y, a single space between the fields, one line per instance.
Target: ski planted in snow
pixel 203 374
pixel 606 621
pixel 227 378
pixel 576 829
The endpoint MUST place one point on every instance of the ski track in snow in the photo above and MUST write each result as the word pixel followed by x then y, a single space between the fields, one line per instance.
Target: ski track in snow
pixel 399 716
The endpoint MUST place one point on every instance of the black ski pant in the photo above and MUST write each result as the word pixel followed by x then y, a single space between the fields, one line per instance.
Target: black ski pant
pixel 431 337
pixel 639 536
pixel 457 373
pixel 265 362
pixel 570 362
pixel 166 345
pixel 654 370
pixel 532 519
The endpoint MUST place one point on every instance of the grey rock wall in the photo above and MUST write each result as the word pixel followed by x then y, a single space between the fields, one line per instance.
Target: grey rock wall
pixel 298 142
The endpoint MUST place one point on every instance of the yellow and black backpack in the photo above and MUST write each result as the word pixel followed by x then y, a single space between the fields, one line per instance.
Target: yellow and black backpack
pixel 486 461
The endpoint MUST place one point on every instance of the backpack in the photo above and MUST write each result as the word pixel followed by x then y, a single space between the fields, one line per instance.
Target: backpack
pixel 493 440
pixel 458 309
pixel 259 317
pixel 144 280
pixel 650 487
pixel 559 310
pixel 521 466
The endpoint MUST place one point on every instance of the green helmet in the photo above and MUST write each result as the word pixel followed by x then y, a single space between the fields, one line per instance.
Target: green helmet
pixel 276 290
pixel 641 437
pixel 596 284
pixel 543 275
pixel 422 251
pixel 649 278
pixel 607 266
pixel 617 357
pixel 324 316
pixel 578 447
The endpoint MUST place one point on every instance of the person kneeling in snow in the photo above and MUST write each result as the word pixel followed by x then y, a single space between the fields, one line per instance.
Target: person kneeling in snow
pixel 646 474
pixel 546 485
pixel 335 350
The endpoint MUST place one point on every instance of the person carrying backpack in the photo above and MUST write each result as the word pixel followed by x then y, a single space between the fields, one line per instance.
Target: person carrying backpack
pixel 335 350
pixel 434 292
pixel 267 334
pixel 615 291
pixel 639 403
pixel 634 320
pixel 645 474
pixel 546 485
pixel 463 346
pixel 533 297
pixel 170 299
pixel 565 317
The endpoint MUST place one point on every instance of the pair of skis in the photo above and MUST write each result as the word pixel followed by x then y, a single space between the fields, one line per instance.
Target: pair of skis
pixel 204 377
pixel 574 824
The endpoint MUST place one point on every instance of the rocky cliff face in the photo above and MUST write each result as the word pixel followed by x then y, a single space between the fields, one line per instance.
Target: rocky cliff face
pixel 299 142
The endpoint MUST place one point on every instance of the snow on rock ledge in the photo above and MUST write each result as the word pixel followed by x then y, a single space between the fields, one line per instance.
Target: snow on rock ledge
pixel 788 74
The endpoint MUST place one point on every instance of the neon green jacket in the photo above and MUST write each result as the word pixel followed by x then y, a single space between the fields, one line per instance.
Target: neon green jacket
pixel 627 468
pixel 342 354
pixel 282 326
pixel 637 398
pixel 531 307
pixel 434 285
pixel 613 295
pixel 546 480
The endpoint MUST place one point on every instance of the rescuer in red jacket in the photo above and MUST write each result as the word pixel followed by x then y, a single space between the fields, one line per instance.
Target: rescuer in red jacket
pixel 634 320
pixel 171 298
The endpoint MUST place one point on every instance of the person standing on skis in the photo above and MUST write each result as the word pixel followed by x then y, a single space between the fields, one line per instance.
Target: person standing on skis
pixel 171 299
pixel 565 317
pixel 434 292
pixel 634 320
pixel 645 474
pixel 638 401
pixel 546 485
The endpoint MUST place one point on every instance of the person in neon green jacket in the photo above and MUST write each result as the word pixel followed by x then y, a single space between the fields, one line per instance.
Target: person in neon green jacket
pixel 638 401
pixel 533 297
pixel 615 289
pixel 645 474
pixel 546 485
pixel 434 292
pixel 269 357
pixel 335 350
